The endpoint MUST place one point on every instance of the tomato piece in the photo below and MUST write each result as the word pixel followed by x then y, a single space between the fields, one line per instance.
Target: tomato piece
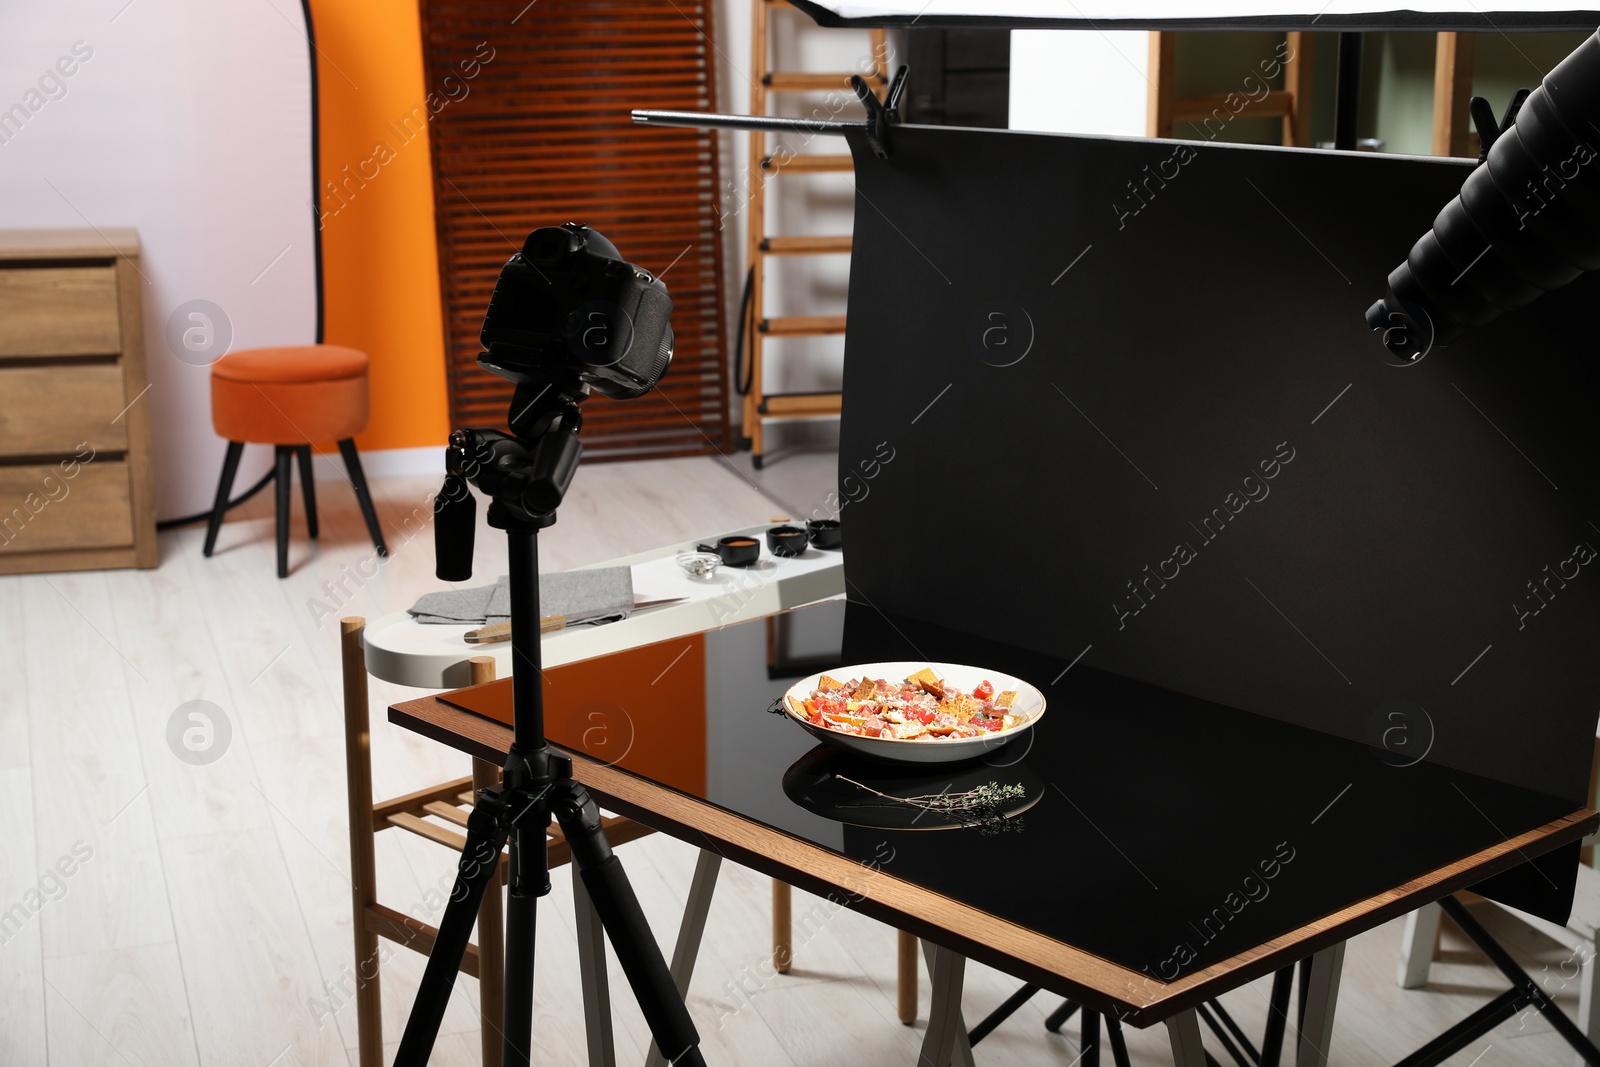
pixel 922 715
pixel 984 690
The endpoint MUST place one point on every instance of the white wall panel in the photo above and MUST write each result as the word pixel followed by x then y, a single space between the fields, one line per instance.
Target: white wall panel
pixel 191 121
pixel 1064 81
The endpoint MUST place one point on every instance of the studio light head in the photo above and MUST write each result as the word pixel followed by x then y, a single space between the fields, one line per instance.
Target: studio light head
pixel 568 310
pixel 1527 220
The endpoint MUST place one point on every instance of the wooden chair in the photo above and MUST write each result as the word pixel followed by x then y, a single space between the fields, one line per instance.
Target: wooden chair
pixel 449 802
pixel 906 953
pixel 1291 104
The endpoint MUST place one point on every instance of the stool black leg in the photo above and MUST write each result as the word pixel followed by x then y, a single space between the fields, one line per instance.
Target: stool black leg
pixel 1090 1055
pixel 1058 1018
pixel 1001 1014
pixel 285 455
pixel 352 463
pixel 1277 1017
pixel 308 488
pixel 230 467
pixel 1208 1016
pixel 1119 1047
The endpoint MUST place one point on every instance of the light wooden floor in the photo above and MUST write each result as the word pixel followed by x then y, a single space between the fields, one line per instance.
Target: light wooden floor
pixel 173 913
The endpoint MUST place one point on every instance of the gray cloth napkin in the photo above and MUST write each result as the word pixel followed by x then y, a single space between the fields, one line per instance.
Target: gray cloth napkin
pixel 604 592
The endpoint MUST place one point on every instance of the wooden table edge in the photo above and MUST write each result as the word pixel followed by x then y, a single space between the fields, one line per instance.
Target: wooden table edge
pixel 1133 996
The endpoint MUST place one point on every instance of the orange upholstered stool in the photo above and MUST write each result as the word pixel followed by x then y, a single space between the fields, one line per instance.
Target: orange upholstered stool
pixel 291 398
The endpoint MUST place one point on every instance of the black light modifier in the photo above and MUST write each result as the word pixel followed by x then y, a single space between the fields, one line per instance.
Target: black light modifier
pixel 1527 220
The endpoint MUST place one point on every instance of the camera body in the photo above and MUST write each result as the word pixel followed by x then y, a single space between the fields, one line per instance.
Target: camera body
pixel 568 309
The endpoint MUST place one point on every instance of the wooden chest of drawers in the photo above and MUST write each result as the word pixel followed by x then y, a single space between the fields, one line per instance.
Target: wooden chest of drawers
pixel 76 489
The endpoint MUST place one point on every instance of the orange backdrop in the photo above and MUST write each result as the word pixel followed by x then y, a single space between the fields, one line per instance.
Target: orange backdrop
pixel 380 264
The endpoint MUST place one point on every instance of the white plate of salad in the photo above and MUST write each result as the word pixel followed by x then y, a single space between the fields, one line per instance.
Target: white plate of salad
pixel 915 712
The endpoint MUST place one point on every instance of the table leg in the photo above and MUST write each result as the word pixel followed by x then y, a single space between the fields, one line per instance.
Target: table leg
pixel 1184 1031
pixel 592 973
pixel 1417 947
pixel 1322 994
pixel 945 1044
pixel 690 931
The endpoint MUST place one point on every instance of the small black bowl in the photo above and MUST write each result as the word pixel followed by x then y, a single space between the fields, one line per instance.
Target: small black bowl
pixel 825 533
pixel 786 540
pixel 736 550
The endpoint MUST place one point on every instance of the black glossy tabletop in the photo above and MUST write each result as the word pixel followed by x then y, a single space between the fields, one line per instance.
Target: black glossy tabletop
pixel 1153 829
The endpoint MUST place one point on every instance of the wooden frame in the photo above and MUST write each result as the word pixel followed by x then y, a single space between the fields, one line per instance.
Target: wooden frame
pixel 765 165
pixel 71 306
pixel 1096 983
pixel 449 802
pixel 1452 88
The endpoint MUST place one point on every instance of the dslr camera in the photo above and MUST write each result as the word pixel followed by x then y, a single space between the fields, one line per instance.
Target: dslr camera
pixel 568 311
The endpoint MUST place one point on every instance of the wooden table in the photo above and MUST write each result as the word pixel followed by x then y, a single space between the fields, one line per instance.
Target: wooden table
pixel 1150 801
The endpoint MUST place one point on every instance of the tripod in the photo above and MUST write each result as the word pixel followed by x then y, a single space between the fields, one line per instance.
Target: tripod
pixel 526 475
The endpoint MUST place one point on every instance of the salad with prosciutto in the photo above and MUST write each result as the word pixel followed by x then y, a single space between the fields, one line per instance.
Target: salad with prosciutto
pixel 921 707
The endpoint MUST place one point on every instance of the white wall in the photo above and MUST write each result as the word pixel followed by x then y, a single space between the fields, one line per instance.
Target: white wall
pixel 191 121
pixel 1069 81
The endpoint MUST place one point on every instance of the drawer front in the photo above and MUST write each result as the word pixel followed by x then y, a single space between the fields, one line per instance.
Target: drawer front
pixel 41 509
pixel 59 311
pixel 49 410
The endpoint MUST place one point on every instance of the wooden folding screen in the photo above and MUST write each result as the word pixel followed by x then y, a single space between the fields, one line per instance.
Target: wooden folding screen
pixel 539 134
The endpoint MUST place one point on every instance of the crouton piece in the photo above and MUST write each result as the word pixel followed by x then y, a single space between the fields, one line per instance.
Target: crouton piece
pixel 962 707
pixel 928 682
pixel 796 707
pixel 866 690
pixel 1006 699
pixel 829 683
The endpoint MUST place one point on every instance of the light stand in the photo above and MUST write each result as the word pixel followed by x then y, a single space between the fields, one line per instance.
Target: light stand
pixel 526 474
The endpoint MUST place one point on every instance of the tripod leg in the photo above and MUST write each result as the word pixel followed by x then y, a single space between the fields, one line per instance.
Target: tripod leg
pixel 625 923
pixel 592 971
pixel 690 931
pixel 480 859
pixel 522 915
pixel 491 939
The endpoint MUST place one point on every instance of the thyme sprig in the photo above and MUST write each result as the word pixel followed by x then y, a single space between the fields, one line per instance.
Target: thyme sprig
pixel 985 804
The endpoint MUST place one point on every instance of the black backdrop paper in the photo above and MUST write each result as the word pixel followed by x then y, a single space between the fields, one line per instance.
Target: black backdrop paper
pixel 1117 398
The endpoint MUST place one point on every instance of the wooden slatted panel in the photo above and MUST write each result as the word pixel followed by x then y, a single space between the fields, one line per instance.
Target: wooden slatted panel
pixel 544 137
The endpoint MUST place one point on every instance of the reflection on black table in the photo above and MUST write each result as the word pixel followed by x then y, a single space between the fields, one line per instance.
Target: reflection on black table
pixel 1161 831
